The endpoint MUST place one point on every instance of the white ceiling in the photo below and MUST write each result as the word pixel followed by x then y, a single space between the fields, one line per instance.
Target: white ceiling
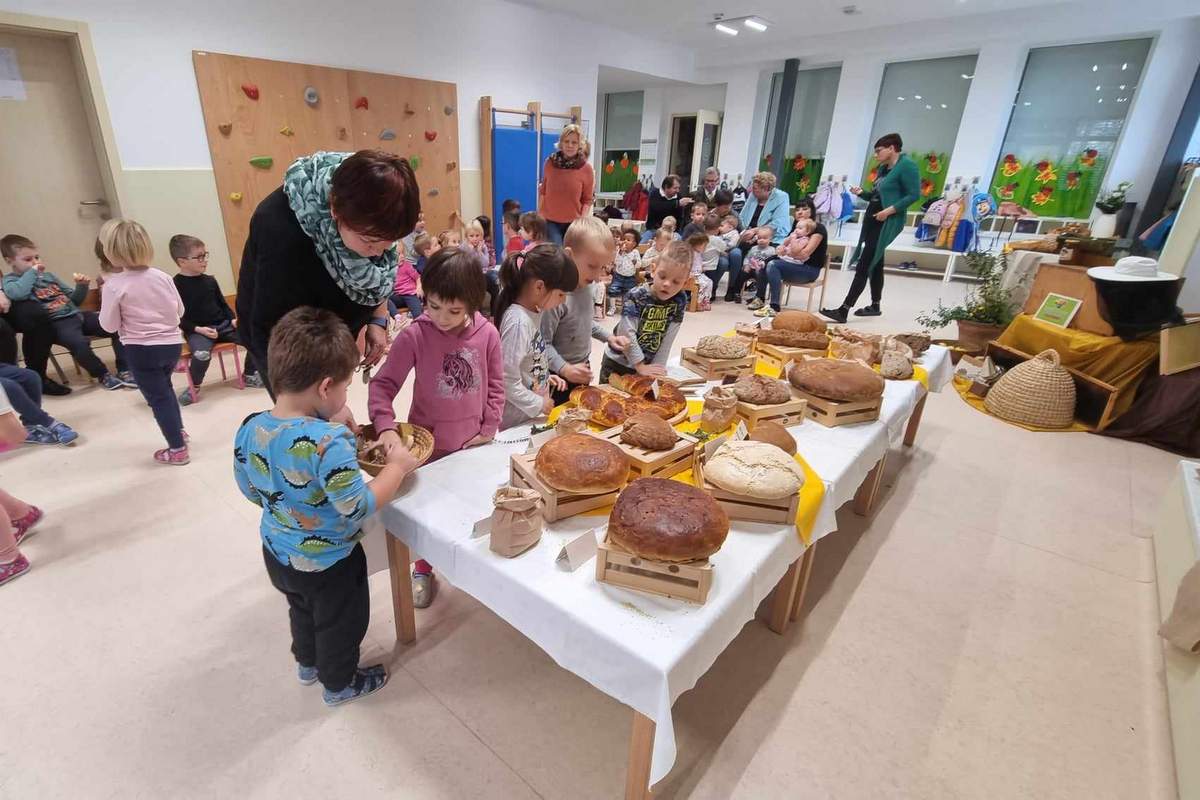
pixel 690 24
pixel 615 79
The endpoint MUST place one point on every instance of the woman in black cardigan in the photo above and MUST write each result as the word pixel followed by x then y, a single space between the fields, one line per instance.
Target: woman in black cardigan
pixel 326 238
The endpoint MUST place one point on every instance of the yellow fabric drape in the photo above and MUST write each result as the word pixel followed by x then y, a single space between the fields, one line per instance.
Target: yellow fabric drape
pixel 963 387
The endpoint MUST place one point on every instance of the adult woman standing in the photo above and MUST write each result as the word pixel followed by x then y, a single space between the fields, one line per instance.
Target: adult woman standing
pixel 803 267
pixel 568 184
pixel 326 238
pixel 897 186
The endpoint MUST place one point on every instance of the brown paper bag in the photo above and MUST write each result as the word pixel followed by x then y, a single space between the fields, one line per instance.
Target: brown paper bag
pixel 720 406
pixel 516 520
pixel 1182 628
pixel 572 420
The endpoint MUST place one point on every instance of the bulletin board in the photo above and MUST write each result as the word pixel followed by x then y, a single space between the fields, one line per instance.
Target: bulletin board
pixel 256 109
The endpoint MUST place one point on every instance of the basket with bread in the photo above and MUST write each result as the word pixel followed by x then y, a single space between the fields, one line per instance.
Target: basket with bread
pixel 714 357
pixel 838 392
pixel 371 458
pixel 762 399
pixel 573 473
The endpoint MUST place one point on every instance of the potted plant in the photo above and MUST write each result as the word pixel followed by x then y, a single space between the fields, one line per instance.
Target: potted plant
pixel 1108 203
pixel 984 312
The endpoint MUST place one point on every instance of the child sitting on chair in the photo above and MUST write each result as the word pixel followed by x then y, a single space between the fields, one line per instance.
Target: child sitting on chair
pixel 72 327
pixel 207 319
pixel 669 224
pixel 698 242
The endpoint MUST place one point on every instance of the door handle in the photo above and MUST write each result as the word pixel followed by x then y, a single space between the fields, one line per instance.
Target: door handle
pixel 100 202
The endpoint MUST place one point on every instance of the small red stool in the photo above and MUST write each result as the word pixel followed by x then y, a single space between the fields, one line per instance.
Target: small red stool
pixel 219 351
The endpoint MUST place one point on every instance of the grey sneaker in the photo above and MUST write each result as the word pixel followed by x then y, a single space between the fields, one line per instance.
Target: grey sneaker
pixel 185 397
pixel 424 589
pixel 127 378
pixel 306 675
pixel 254 381
pixel 112 382
pixel 755 304
pixel 366 681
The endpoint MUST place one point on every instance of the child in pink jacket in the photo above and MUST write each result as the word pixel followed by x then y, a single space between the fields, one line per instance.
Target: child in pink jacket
pixel 458 372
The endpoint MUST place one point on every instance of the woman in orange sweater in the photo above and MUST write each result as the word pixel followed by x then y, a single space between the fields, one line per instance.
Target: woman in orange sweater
pixel 568 184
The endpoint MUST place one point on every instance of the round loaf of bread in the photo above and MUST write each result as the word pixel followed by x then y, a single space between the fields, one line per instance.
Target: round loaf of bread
pixel 761 390
pixel 649 431
pixel 776 434
pixel 809 340
pixel 836 380
pixel 665 520
pixel 754 469
pixel 722 347
pixel 799 321
pixel 582 464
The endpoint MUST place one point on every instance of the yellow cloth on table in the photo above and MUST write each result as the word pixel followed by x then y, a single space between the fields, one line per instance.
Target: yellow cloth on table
pixel 1105 358
pixel 963 387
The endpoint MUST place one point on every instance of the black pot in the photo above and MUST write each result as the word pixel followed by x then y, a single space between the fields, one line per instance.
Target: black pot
pixel 1135 308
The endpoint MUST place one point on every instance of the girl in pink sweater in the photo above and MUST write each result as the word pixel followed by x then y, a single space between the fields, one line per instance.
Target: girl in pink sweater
pixel 458 372
pixel 142 306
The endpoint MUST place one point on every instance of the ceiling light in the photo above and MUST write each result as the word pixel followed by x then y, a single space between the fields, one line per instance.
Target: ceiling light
pixel 901 99
pixel 927 106
pixel 943 105
pixel 755 24
pixel 918 97
pixel 967 77
pixel 1097 87
pixel 1027 103
pixel 1100 100
pixel 1095 67
pixel 726 29
pixel 1125 66
pixel 1122 87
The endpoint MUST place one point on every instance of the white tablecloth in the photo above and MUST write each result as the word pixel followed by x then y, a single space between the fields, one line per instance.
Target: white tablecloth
pixel 640 649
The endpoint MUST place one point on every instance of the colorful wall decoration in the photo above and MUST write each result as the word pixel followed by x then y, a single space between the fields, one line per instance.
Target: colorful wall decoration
pixel 800 174
pixel 932 166
pixel 618 170
pixel 1063 187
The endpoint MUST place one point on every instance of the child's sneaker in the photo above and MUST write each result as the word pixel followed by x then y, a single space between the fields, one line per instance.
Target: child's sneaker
pixel 64 433
pixel 307 675
pixel 20 566
pixel 755 304
pixel 765 311
pixel 365 681
pixel 185 397
pixel 23 528
pixel 112 382
pixel 39 434
pixel 254 381
pixel 169 455
pixel 424 589
pixel 127 378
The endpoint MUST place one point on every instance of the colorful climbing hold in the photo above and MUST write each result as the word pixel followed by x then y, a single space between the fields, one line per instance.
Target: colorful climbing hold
pixel 414 162
pixel 341 133
pixel 311 95
pixel 434 192
pixel 430 135
pixel 448 110
pixel 362 103
pixel 286 130
pixel 225 128
pixel 451 165
pixel 235 197
pixel 387 134
pixel 251 90
pixel 262 162
pixel 408 110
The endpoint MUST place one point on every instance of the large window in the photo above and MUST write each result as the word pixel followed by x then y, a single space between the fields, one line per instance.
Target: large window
pixel 923 101
pixel 808 130
pixel 1065 123
pixel 622 138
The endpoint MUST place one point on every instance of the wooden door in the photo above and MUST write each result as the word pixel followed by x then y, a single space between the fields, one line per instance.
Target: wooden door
pixel 50 185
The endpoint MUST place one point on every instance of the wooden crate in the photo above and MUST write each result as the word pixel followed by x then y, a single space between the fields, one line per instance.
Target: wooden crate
pixel 690 580
pixel 832 413
pixel 786 414
pixel 645 463
pixel 780 357
pixel 556 505
pixel 715 368
pixel 750 509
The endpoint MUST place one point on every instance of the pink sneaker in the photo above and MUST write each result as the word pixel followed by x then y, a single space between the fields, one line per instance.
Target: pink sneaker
pixel 170 456
pixel 14 569
pixel 23 527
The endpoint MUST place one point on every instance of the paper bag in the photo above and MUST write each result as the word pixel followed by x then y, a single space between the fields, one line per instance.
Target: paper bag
pixel 516 520
pixel 572 420
pixel 720 406
pixel 1182 628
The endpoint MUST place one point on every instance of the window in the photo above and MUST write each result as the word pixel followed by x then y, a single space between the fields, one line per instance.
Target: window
pixel 923 101
pixel 808 129
pixel 622 138
pixel 1065 123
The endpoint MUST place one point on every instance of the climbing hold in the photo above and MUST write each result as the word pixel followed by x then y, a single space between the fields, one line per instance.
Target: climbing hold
pixel 434 192
pixel 286 130
pixel 430 135
pixel 251 90
pixel 341 133
pixel 414 162
pixel 451 165
pixel 235 197
pixel 262 162
pixel 311 95
pixel 448 110
pixel 225 128
pixel 387 134
pixel 408 110
pixel 361 103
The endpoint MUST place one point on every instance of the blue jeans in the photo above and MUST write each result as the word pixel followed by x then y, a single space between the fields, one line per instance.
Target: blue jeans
pixel 781 269
pixel 557 230
pixel 152 365
pixel 409 301
pixel 621 284
pixel 24 390
pixel 647 235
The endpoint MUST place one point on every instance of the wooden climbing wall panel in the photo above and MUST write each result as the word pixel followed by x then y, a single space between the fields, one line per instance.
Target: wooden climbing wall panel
pixel 422 114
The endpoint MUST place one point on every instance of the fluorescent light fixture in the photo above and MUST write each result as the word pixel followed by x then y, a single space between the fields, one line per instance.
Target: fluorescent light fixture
pixel 754 24
pixel 1122 87
pixel 726 29
pixel 967 77
pixel 1100 100
pixel 1125 66
pixel 1095 67
pixel 1027 103
pixel 918 97
pixel 928 107
pixel 901 99
pixel 943 105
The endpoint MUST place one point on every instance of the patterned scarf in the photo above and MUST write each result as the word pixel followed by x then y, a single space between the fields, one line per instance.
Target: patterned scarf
pixel 562 162
pixel 366 281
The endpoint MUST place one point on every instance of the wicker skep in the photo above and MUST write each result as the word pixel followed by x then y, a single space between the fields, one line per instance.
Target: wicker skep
pixel 1038 392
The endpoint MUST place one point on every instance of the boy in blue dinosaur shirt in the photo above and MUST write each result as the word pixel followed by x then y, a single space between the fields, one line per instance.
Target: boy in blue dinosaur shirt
pixel 303 472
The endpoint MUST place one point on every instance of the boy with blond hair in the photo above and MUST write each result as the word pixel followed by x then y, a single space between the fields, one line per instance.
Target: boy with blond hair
pixel 651 316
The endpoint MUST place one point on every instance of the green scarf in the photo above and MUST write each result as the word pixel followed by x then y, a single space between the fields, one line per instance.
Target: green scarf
pixel 366 281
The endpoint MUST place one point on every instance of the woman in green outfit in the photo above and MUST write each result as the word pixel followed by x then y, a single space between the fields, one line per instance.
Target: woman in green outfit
pixel 897 186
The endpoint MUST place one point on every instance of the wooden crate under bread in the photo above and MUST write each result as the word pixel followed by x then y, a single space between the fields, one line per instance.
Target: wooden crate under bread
pixel 832 413
pixel 779 357
pixel 645 463
pixel 689 580
pixel 713 368
pixel 556 505
pixel 750 509
pixel 792 412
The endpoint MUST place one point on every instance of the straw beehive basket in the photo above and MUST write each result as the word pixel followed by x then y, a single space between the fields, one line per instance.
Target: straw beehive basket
pixel 1038 392
pixel 418 440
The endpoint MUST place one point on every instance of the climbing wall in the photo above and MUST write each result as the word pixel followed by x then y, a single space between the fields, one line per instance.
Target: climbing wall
pixel 261 115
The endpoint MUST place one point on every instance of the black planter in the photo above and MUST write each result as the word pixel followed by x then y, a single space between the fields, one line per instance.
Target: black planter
pixel 1134 308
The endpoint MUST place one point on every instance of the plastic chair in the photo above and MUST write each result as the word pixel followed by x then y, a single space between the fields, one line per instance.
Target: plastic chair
pixel 219 350
pixel 820 281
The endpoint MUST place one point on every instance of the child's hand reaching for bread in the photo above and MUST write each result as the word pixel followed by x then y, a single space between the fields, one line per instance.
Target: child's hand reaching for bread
pixel 657 370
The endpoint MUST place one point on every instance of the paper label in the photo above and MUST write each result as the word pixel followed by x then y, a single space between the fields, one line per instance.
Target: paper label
pixel 578 551
pixel 654 388
pixel 482 528
pixel 740 432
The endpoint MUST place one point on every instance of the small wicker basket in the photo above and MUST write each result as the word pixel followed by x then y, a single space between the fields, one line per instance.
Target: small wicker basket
pixel 1038 392
pixel 419 441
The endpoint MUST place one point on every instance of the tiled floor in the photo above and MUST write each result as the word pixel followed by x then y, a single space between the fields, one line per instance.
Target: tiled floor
pixel 988 634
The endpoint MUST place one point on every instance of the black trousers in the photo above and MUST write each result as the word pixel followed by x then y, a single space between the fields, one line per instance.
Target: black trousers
pixel 862 270
pixel 329 611
pixel 28 318
pixel 152 366
pixel 201 347
pixel 560 396
pixel 72 333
